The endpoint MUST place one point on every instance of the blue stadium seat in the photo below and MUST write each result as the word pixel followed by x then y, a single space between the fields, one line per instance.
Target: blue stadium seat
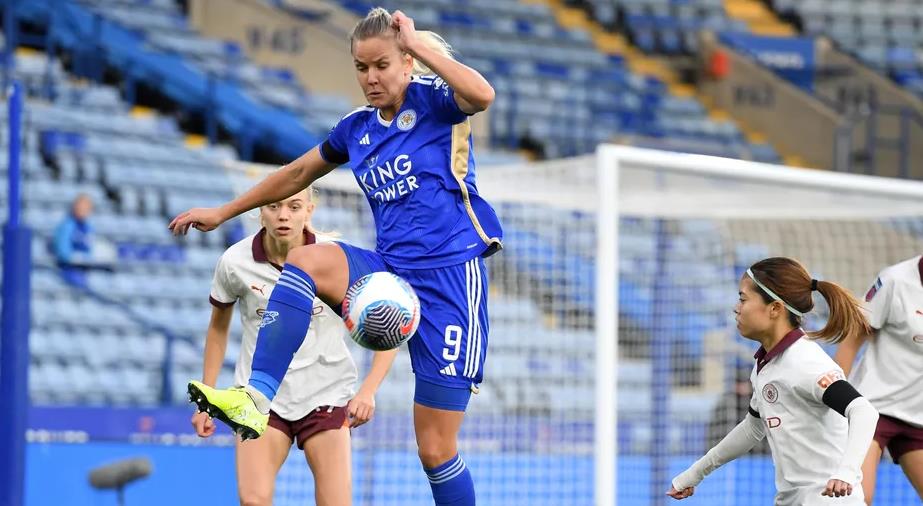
pixel 874 56
pixel 902 59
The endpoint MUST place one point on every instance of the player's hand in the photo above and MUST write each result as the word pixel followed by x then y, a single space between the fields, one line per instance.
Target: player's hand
pixel 837 488
pixel 204 425
pixel 681 494
pixel 361 408
pixel 203 219
pixel 406 32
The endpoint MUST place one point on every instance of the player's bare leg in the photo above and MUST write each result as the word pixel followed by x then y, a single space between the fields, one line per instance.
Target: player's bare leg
pixel 870 471
pixel 328 454
pixel 912 464
pixel 437 444
pixel 258 463
pixel 326 264
pixel 437 434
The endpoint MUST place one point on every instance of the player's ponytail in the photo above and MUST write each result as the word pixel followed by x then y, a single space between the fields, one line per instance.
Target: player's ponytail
pixel 377 23
pixel 434 42
pixel 846 319
pixel 787 281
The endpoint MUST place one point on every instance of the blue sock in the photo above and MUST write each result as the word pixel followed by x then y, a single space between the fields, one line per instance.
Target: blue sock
pixel 285 323
pixel 451 483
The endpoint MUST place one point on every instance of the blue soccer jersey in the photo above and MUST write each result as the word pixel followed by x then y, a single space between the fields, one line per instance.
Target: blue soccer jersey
pixel 418 174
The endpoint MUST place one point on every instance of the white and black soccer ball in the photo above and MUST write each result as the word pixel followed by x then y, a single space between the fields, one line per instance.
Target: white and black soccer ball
pixel 381 311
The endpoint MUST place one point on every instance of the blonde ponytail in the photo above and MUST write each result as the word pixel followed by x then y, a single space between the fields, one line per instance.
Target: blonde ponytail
pixel 434 42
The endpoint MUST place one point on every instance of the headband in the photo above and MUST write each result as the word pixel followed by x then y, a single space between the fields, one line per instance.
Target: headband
pixel 773 294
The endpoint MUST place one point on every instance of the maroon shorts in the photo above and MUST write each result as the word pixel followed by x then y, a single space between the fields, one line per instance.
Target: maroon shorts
pixel 319 420
pixel 898 437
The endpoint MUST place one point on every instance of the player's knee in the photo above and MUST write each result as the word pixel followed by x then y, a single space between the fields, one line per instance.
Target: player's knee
pixel 434 453
pixel 316 259
pixel 304 257
pixel 255 498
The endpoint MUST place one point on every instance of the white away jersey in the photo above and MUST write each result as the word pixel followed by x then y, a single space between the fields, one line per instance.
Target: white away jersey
pixel 322 372
pixel 890 373
pixel 806 437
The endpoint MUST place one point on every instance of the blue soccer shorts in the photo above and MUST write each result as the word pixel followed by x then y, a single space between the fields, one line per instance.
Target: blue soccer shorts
pixel 449 349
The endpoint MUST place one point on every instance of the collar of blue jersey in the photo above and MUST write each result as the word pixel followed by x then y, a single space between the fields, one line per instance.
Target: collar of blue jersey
pixel 381 121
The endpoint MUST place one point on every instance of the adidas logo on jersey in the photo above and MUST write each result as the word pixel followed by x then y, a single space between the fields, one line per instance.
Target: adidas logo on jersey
pixel 364 141
pixel 449 370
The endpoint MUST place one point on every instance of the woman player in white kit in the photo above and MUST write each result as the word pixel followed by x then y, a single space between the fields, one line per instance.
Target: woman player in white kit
pixel 890 373
pixel 317 402
pixel 818 425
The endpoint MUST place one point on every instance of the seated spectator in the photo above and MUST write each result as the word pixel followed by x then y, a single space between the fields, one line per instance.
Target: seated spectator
pixel 76 247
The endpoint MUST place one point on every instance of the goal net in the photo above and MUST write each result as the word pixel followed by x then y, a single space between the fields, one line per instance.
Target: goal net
pixel 613 358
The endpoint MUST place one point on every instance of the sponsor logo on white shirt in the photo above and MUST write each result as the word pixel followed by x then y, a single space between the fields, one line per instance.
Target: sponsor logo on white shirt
pixel 269 317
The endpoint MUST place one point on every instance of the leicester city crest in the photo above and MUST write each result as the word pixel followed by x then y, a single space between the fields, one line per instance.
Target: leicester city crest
pixel 406 120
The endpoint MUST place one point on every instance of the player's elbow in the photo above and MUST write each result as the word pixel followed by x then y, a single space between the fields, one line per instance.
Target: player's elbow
pixel 483 100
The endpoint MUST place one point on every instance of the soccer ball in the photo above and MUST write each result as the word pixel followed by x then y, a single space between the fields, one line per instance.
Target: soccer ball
pixel 381 311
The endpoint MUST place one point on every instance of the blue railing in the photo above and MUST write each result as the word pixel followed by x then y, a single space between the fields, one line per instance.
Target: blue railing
pixel 14 327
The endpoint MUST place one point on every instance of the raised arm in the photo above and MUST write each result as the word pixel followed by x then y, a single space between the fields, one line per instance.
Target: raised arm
pixel 279 185
pixel 472 92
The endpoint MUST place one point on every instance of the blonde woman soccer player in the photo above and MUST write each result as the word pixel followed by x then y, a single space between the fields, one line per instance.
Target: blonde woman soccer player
pixel 818 425
pixel 890 373
pixel 411 152
pixel 317 403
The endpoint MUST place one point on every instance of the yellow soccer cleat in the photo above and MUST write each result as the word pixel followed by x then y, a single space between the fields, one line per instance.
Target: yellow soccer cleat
pixel 233 406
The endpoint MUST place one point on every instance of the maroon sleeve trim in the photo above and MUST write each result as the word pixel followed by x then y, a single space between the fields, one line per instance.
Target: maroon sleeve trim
pixel 218 304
